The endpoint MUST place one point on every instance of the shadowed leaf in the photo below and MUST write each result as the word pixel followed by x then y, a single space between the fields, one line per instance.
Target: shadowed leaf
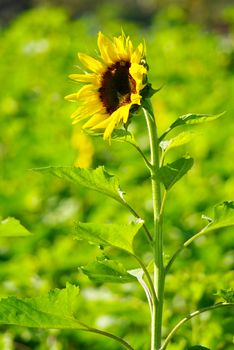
pixel 121 135
pixel 107 271
pixel 173 172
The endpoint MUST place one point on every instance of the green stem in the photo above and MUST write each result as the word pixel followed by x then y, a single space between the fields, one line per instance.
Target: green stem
pixel 156 321
pixel 109 335
pixel 184 245
pixel 147 163
pixel 188 317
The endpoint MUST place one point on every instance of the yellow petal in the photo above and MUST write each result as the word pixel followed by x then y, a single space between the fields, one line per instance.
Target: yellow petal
pixel 125 112
pixel 138 71
pixel 81 113
pixel 88 98
pixel 103 124
pixel 91 63
pixel 86 91
pixel 120 48
pixel 94 120
pixel 115 119
pixel 121 114
pixel 109 130
pixel 137 54
pixel 84 78
pixel 71 97
pixel 129 46
pixel 107 49
pixel 86 111
pixel 135 99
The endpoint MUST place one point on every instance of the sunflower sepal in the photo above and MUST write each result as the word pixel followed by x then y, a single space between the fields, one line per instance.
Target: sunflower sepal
pixel 117 135
pixel 149 91
pixel 121 133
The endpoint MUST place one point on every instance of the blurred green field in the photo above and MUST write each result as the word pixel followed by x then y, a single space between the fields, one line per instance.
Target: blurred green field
pixel 195 66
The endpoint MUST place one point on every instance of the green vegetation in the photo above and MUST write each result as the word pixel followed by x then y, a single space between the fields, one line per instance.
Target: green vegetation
pixel 195 69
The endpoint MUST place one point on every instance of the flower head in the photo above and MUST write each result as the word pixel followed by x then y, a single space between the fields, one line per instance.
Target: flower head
pixel 113 84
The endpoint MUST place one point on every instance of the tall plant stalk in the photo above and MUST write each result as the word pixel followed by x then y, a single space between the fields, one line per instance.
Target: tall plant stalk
pixel 157 244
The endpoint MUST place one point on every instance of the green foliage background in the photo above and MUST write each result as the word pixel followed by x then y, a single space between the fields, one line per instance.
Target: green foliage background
pixel 195 67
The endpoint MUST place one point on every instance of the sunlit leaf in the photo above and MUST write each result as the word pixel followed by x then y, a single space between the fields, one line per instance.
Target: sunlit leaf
pixel 179 140
pixel 11 227
pixel 173 172
pixel 115 235
pixel 107 271
pixel 192 118
pixel 223 216
pixel 53 310
pixel 96 179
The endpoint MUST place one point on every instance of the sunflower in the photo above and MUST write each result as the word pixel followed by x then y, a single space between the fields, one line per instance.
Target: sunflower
pixel 113 84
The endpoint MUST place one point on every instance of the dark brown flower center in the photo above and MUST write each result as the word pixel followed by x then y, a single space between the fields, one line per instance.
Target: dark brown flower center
pixel 117 86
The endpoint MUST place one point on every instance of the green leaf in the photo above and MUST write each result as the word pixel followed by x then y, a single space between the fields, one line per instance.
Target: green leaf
pixel 192 118
pixel 223 217
pixel 107 271
pixel 179 140
pixel 115 235
pixel 96 179
pixel 226 294
pixel 10 227
pixel 122 135
pixel 53 310
pixel 173 172
pixel 198 347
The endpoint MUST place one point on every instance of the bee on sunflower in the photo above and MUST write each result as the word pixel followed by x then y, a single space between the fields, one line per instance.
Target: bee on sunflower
pixel 114 84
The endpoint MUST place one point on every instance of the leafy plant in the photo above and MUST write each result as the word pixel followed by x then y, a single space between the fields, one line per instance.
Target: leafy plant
pixel 59 309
